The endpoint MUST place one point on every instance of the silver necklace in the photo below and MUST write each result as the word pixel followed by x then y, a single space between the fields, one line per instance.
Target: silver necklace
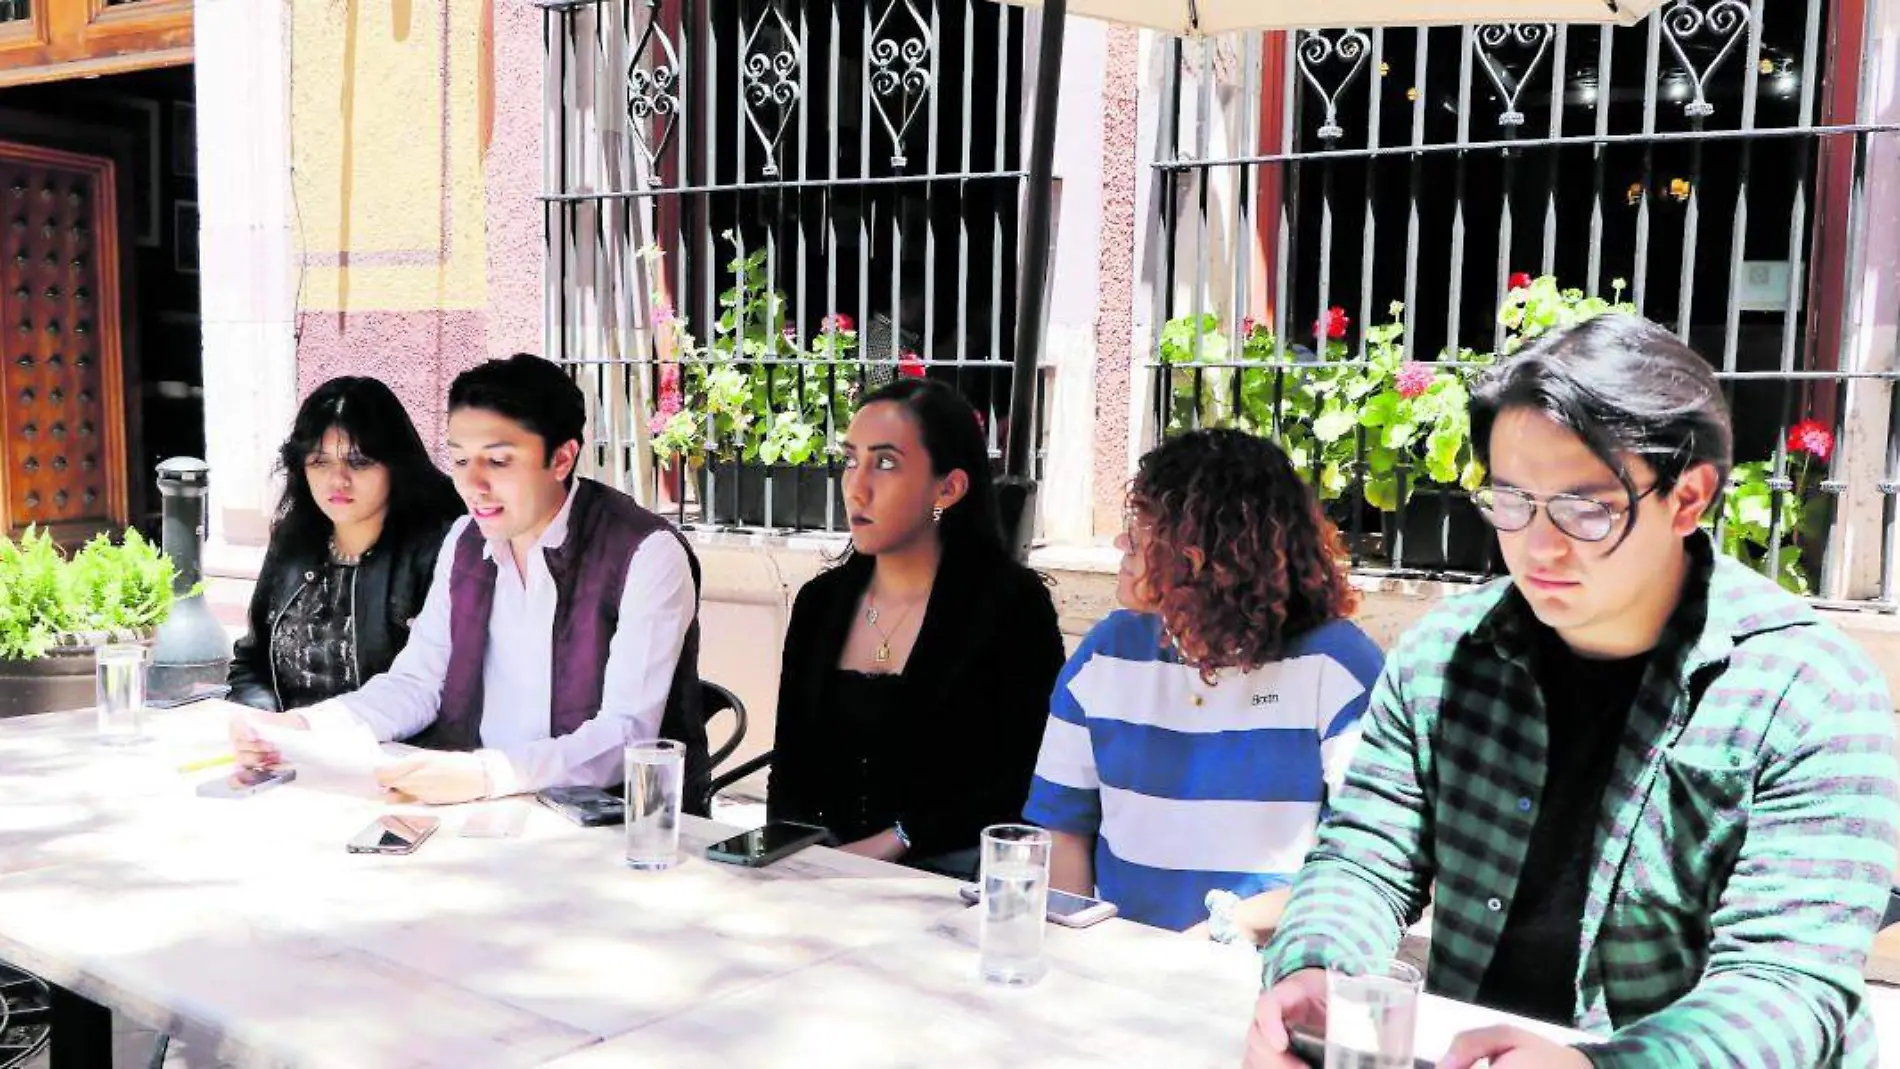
pixel 339 557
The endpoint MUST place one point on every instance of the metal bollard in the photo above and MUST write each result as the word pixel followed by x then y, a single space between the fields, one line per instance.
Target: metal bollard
pixel 191 647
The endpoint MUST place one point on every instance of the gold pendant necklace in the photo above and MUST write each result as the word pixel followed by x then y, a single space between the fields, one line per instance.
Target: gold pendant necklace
pixel 882 655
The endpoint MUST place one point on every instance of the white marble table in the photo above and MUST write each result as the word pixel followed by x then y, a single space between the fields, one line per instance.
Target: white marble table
pixel 245 929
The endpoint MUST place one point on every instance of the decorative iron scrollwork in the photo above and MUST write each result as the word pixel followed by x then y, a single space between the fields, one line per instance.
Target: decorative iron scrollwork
pixel 899 68
pixel 655 77
pixel 1493 41
pixel 1719 27
pixel 774 56
pixel 1322 51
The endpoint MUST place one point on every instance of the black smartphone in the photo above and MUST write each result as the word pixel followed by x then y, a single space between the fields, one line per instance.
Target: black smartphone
pixel 1070 911
pixel 1310 1048
pixel 590 807
pixel 762 846
pixel 394 834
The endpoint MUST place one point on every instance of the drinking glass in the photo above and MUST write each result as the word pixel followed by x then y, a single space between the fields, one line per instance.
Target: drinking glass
pixel 120 691
pixel 1015 897
pixel 656 772
pixel 1371 1014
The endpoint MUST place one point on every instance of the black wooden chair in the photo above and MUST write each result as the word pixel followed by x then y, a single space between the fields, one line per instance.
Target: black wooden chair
pixel 715 699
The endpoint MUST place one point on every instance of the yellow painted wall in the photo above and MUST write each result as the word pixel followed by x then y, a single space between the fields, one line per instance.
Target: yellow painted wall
pixel 390 209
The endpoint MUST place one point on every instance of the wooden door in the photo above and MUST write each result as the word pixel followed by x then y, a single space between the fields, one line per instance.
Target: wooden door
pixel 62 378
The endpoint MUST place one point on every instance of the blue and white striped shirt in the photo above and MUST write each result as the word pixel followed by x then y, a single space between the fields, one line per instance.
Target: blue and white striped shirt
pixel 1188 787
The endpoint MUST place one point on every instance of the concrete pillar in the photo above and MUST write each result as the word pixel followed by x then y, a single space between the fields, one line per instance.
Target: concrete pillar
pixel 1873 324
pixel 250 290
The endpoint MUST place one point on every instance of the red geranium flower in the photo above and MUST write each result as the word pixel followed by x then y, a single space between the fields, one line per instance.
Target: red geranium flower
pixel 909 366
pixel 1248 325
pixel 1520 280
pixel 838 323
pixel 1333 325
pixel 1414 379
pixel 1808 436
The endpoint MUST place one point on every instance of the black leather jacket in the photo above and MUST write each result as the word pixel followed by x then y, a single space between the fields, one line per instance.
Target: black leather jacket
pixel 391 585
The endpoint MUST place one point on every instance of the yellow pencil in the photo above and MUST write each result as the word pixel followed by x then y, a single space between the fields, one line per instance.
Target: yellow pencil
pixel 209 762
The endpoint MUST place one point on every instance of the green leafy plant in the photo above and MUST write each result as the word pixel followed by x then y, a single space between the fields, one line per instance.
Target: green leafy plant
pixel 1401 423
pixel 106 586
pixel 1537 306
pixel 1750 527
pixel 753 391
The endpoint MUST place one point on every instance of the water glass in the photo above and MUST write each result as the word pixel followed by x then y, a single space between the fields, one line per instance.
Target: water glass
pixel 120 691
pixel 1015 898
pixel 656 774
pixel 1371 1014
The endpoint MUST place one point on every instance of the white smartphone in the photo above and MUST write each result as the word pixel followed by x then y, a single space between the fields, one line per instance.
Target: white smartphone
pixel 496 820
pixel 244 782
pixel 1070 911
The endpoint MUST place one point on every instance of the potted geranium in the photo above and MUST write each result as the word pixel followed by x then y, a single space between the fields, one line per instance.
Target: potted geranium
pixel 1380 430
pixel 55 610
pixel 753 410
pixel 1792 516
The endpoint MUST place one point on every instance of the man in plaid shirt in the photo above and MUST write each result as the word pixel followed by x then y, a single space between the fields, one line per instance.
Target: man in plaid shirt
pixel 1652 795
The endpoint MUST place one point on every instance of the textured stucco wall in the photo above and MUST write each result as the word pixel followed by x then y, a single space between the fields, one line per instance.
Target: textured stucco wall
pixel 512 173
pixel 416 147
pixel 1116 349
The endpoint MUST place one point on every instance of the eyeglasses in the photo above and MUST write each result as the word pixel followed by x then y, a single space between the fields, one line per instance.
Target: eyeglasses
pixel 1582 518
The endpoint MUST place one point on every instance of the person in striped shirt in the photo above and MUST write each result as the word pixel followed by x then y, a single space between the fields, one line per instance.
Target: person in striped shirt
pixel 1194 738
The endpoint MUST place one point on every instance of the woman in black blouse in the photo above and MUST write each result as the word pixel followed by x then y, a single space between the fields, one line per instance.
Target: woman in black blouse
pixel 352 550
pixel 918 671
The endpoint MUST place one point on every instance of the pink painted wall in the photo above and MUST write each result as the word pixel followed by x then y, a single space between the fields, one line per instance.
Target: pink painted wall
pixel 1115 343
pixel 512 168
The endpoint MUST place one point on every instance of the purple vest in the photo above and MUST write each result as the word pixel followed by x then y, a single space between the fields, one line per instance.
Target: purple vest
pixel 604 528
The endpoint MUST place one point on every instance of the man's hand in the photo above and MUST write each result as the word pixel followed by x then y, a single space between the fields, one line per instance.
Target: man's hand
pixel 437 778
pixel 1506 1047
pixel 251 749
pixel 1297 1000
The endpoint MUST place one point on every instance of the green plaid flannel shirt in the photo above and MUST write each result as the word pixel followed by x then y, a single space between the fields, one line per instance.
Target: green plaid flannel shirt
pixel 1743 854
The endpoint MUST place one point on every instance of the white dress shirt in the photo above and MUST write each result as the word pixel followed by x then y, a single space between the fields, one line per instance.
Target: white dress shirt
pixel 657 606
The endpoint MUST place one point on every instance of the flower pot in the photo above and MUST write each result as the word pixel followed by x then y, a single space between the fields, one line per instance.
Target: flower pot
pixel 1440 530
pixel 60 680
pixel 738 495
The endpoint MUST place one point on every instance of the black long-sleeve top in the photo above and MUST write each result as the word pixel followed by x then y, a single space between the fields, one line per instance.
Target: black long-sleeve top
pixel 966 715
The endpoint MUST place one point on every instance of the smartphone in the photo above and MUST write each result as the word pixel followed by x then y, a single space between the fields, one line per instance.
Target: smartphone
pixel 244 782
pixel 394 834
pixel 1070 911
pixel 762 846
pixel 1310 1048
pixel 590 807
pixel 199 692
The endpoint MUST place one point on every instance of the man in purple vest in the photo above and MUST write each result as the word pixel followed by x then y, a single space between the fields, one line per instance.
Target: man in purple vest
pixel 561 626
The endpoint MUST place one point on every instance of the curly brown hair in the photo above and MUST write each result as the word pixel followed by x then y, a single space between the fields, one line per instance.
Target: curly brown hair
pixel 1240 559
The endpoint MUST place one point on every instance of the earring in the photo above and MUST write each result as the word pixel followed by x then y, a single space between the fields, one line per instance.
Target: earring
pixel 936 514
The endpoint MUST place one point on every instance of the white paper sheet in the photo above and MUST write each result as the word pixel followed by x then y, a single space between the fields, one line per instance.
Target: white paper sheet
pixel 346 760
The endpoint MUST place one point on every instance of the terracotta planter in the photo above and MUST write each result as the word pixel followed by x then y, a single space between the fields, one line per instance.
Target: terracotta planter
pixel 61 680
